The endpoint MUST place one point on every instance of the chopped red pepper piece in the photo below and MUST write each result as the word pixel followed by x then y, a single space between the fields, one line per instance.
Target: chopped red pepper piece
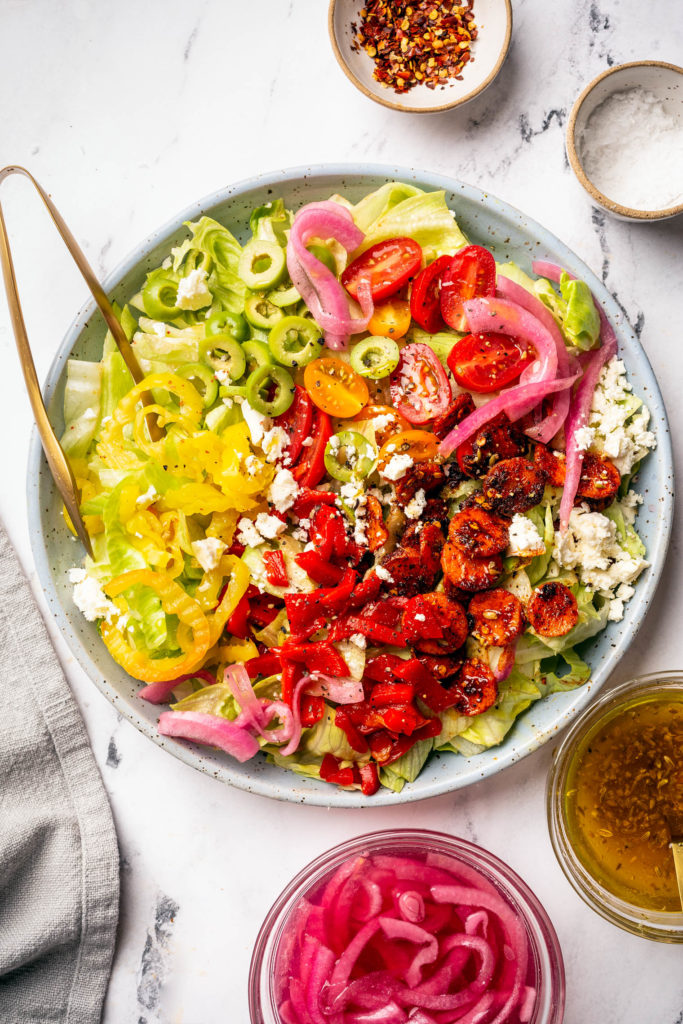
pixel 291 674
pixel 356 741
pixel 331 771
pixel 310 468
pixel 263 665
pixel 366 591
pixel 276 570
pixel 307 499
pixel 320 571
pixel 369 778
pixel 391 693
pixel 312 710
pixel 350 624
pixel 263 609
pixel 386 749
pixel 296 421
pixel 320 656
pixel 427 687
pixel 237 625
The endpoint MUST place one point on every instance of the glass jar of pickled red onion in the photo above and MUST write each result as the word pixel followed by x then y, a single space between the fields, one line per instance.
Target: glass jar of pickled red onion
pixel 407 927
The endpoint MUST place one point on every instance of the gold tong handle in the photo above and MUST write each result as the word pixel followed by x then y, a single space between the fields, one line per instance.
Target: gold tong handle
pixel 56 459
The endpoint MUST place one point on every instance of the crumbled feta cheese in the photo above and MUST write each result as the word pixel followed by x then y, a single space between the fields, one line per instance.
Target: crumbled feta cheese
pixel 89 597
pixel 619 419
pixel 208 552
pixel 256 422
pixel 416 506
pixel 591 547
pixel 148 497
pixel 334 444
pixel 629 506
pixel 228 403
pixel 584 438
pixel 383 421
pixel 193 291
pixel 397 467
pixel 305 524
pixel 307 442
pixel 252 465
pixel 283 491
pixel 384 574
pixel 223 377
pixel 269 526
pixel 524 539
pixel 299 534
pixel 275 443
pixel 158 328
pixel 419 617
pixel 247 533
pixel 359 640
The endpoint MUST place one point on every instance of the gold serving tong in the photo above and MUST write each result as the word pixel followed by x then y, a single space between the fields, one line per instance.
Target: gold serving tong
pixel 56 459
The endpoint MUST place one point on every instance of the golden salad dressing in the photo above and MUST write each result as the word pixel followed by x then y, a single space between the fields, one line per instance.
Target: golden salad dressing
pixel 624 784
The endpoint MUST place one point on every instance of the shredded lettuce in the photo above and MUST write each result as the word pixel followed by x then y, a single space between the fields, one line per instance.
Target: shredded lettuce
pixel 424 217
pixel 82 406
pixel 407 768
pixel 323 738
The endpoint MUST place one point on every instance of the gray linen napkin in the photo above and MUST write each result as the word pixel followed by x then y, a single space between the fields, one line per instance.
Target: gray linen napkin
pixel 59 865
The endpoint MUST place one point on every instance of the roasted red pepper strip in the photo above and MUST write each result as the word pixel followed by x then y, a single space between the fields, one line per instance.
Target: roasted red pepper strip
pixel 384 694
pixel 427 687
pixel 386 749
pixel 367 719
pixel 369 778
pixel 336 599
pixel 237 625
pixel 320 571
pixel 328 533
pixel 263 665
pixel 307 499
pixel 263 609
pixel 296 421
pixel 291 674
pixel 305 609
pixel 276 570
pixel 350 624
pixel 366 591
pixel 330 771
pixel 343 722
pixel 312 710
pixel 310 469
pixel 383 668
pixel 317 657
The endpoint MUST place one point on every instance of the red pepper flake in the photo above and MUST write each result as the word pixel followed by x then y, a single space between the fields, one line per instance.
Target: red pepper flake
pixel 416 41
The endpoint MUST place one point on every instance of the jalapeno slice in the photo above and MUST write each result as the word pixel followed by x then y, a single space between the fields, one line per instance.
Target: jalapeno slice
pixel 270 390
pixel 375 357
pixel 257 354
pixel 224 355
pixel 295 341
pixel 225 322
pixel 262 264
pixel 349 454
pixel 261 312
pixel 160 295
pixel 203 378
pixel 232 391
pixel 322 253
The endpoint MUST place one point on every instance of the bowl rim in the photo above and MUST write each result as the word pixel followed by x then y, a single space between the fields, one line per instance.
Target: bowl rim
pixel 189 754
pixel 341 60
pixel 630 212
pixel 662 926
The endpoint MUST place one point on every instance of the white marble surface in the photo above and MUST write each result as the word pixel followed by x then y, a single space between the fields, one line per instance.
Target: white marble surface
pixel 129 111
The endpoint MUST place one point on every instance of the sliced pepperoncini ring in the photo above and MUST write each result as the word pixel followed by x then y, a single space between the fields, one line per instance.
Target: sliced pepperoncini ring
pixel 174 601
pixel 191 406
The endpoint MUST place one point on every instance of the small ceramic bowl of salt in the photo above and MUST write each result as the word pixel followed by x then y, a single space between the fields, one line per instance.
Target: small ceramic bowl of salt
pixel 625 140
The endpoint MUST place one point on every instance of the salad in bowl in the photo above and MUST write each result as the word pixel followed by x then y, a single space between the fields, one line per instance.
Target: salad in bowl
pixel 372 493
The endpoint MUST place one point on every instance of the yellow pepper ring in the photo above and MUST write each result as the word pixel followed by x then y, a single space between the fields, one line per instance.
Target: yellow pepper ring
pixel 190 403
pixel 235 591
pixel 164 417
pixel 174 601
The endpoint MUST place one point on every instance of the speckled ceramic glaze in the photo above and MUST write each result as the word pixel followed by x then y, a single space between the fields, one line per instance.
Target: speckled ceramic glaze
pixel 510 236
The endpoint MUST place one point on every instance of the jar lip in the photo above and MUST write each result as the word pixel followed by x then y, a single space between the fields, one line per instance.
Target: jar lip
pixel 660 925
pixel 541 934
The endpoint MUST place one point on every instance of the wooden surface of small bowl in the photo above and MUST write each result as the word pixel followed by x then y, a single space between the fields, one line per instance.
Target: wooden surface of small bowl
pixel 665 81
pixel 493 19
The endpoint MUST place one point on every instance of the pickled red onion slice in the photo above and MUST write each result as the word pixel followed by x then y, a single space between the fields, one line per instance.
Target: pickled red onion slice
pixel 232 737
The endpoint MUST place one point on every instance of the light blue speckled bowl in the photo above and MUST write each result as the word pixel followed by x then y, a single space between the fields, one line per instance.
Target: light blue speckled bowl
pixel 511 236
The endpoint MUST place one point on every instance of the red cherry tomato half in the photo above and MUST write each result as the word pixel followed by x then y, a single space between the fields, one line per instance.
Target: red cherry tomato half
pixel 472 274
pixel 487 362
pixel 388 265
pixel 425 298
pixel 419 385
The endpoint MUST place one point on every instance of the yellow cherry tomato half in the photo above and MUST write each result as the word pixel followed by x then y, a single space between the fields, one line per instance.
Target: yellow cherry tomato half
pixel 392 421
pixel 420 445
pixel 391 319
pixel 335 387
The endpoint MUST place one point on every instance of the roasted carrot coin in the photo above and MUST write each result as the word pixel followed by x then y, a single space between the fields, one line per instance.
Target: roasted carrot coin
pixel 376 531
pixel 442 666
pixel 477 687
pixel 495 441
pixel 434 624
pixel 424 476
pixel 513 485
pixel 469 573
pixel 600 478
pixel 409 574
pixel 552 610
pixel 478 532
pixel 553 463
pixel 461 407
pixel 497 618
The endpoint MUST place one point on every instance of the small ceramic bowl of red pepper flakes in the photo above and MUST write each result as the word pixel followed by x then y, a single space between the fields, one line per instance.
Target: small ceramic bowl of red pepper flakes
pixel 420 56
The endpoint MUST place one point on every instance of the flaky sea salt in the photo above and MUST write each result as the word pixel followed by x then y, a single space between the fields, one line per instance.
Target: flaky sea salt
pixel 632 150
